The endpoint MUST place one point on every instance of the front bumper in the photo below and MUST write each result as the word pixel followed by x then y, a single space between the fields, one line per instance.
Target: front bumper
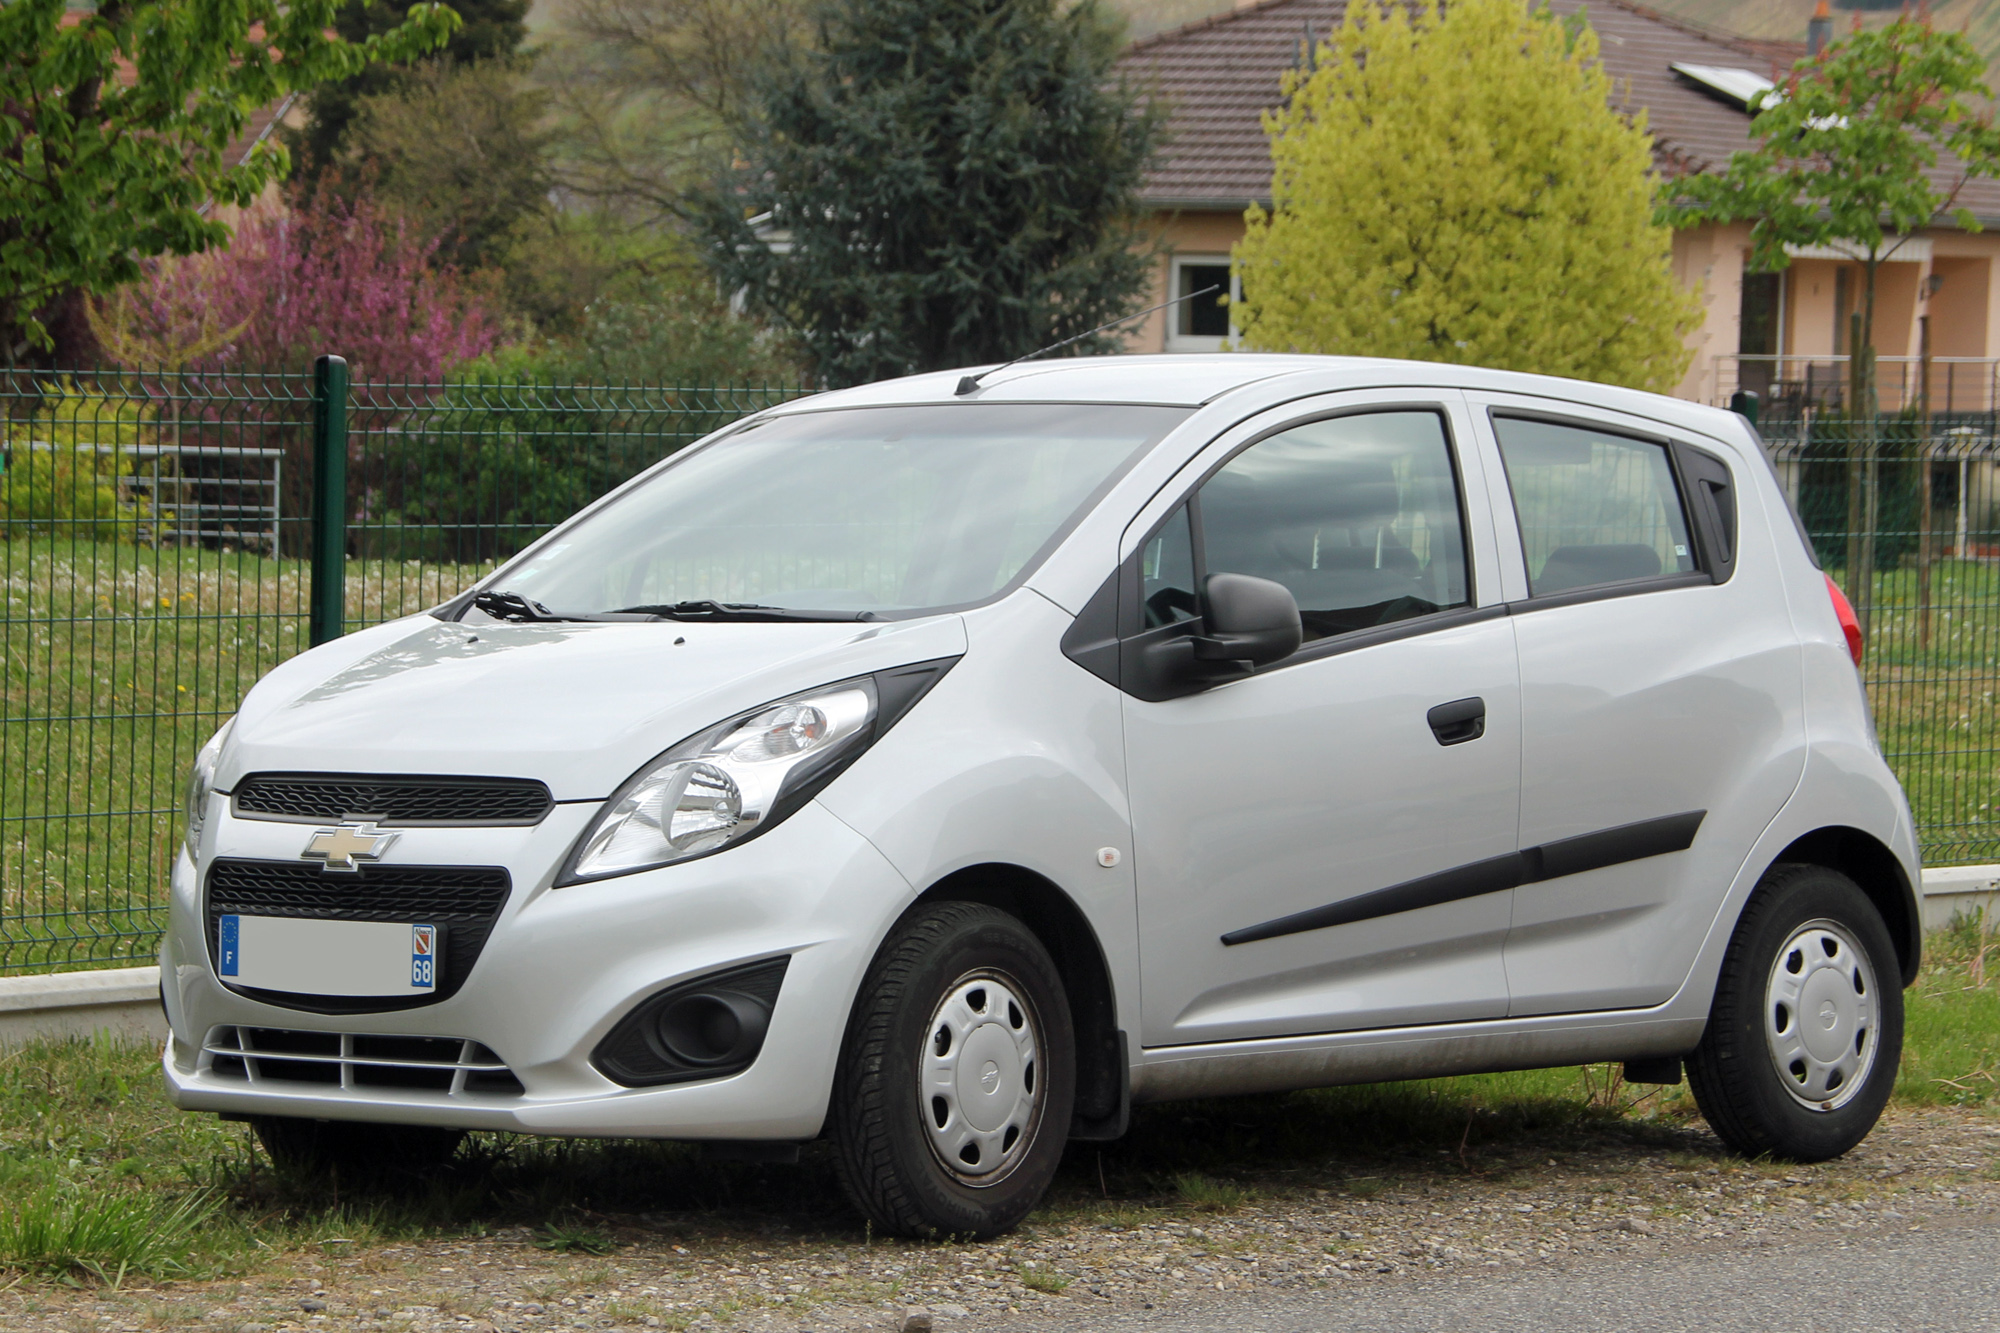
pixel 560 968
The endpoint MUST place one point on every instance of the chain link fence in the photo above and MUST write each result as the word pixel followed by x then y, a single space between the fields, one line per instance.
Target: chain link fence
pixel 159 552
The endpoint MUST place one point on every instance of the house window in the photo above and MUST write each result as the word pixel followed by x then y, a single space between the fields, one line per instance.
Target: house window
pixel 1200 325
pixel 1760 331
pixel 1762 313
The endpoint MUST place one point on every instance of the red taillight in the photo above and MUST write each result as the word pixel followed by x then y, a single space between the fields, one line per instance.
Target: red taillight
pixel 1849 624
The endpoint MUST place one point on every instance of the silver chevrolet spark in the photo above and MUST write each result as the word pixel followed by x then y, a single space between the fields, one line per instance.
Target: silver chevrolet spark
pixel 943 768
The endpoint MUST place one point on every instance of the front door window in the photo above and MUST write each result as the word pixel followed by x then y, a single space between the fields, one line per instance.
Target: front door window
pixel 1357 515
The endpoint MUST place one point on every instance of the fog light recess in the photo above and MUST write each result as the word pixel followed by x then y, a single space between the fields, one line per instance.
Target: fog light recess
pixel 705 1028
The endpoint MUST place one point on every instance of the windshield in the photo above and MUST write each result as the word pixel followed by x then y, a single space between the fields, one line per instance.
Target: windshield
pixel 886 510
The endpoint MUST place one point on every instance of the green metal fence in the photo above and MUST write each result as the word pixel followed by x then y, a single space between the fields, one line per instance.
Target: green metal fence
pixel 159 552
pixel 1915 503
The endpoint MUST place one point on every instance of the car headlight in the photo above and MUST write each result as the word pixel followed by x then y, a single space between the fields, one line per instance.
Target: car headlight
pixel 728 783
pixel 201 785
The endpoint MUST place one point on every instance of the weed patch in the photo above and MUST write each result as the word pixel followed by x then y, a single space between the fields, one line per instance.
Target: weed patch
pixel 107 1234
pixel 1207 1193
pixel 1045 1280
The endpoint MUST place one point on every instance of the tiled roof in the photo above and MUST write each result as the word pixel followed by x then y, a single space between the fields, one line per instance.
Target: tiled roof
pixel 264 122
pixel 1220 74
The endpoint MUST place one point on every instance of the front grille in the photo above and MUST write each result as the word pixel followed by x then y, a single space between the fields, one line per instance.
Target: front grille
pixel 332 797
pixel 451 1065
pixel 462 901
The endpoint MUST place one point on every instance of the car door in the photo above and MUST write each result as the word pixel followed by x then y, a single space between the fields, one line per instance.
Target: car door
pixel 1322 845
pixel 1661 707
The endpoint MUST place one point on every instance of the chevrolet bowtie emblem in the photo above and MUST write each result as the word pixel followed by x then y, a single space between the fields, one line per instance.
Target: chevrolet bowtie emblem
pixel 342 848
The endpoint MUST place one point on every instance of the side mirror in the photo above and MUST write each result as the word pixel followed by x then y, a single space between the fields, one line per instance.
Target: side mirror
pixel 1250 620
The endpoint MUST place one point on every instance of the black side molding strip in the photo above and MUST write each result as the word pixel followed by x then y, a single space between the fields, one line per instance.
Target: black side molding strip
pixel 1551 860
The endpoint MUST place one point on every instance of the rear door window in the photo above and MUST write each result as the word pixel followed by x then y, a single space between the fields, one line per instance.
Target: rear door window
pixel 1594 507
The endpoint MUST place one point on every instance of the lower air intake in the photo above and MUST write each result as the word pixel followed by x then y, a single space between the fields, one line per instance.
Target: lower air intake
pixel 453 1066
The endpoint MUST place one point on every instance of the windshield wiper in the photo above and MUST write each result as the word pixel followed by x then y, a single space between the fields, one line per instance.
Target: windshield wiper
pixel 708 609
pixel 519 610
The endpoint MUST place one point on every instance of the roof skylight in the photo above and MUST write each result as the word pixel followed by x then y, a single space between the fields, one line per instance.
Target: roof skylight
pixel 1736 85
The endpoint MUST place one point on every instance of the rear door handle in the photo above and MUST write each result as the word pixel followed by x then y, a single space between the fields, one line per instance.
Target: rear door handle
pixel 1459 721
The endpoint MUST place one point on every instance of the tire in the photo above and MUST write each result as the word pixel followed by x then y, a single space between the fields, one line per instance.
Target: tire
pixel 1806 1032
pixel 354 1151
pixel 957 1076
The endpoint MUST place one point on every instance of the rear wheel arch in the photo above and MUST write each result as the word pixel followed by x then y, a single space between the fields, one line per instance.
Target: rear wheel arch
pixel 1863 858
pixel 1102 1093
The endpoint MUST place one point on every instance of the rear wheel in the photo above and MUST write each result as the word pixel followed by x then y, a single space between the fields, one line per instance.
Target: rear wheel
pixel 1806 1032
pixel 354 1150
pixel 957 1076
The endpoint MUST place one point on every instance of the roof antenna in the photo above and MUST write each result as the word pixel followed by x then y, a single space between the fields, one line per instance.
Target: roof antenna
pixel 967 383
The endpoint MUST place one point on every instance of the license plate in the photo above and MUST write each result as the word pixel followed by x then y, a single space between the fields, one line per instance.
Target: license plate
pixel 329 957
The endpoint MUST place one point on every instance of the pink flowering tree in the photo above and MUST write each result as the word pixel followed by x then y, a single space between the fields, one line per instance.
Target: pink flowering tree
pixel 295 283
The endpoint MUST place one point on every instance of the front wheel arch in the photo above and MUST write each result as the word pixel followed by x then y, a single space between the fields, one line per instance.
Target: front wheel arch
pixel 1102 1076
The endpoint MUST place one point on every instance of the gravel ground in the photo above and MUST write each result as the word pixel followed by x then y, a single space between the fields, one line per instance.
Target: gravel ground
pixel 1614 1193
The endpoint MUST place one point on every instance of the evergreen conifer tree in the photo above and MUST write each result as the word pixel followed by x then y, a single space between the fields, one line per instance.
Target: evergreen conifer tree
pixel 946 182
pixel 1453 184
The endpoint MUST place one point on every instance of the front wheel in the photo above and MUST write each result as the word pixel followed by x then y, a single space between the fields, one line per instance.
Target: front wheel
pixel 957 1075
pixel 1806 1032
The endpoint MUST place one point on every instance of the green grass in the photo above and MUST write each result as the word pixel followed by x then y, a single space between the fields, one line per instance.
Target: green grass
pixel 107 1234
pixel 1951 1046
pixel 98 1175
pixel 1200 1191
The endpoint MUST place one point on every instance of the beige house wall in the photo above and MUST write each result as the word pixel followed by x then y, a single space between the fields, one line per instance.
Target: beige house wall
pixel 1809 302
pixel 1710 260
pixel 1965 314
pixel 1961 320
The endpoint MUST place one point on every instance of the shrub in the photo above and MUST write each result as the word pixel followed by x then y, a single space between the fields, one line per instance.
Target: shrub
pixel 64 463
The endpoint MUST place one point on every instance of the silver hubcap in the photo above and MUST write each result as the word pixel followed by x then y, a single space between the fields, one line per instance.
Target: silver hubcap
pixel 982 1078
pixel 1819 1015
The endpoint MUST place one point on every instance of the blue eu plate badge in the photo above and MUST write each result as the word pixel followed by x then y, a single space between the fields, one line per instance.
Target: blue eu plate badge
pixel 423 957
pixel 228 951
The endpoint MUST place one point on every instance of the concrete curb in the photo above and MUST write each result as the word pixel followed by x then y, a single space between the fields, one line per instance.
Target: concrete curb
pixel 1951 891
pixel 125 1003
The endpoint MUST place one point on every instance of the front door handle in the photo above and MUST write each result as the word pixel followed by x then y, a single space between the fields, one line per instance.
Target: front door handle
pixel 1459 721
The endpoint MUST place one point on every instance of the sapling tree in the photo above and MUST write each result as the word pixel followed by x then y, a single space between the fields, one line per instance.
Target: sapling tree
pixel 1858 149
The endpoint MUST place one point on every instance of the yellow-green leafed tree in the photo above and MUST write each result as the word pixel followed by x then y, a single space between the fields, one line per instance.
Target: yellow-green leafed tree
pixel 1452 184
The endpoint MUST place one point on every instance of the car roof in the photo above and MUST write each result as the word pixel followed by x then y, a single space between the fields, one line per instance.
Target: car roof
pixel 1193 380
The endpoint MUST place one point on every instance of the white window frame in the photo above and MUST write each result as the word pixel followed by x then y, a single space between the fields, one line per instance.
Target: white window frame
pixel 1189 342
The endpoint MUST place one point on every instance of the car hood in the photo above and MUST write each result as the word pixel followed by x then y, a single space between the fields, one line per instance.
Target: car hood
pixel 579 706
